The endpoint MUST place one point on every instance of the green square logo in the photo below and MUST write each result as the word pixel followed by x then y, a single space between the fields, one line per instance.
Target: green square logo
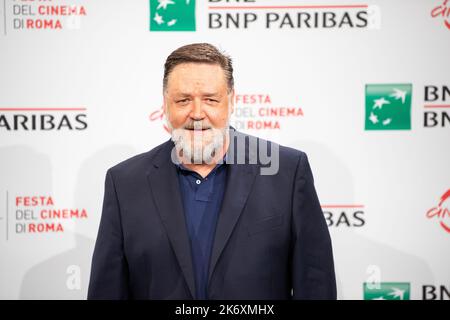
pixel 172 15
pixel 387 291
pixel 388 106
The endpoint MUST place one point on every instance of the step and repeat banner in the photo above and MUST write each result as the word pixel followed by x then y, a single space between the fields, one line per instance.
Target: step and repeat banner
pixel 363 87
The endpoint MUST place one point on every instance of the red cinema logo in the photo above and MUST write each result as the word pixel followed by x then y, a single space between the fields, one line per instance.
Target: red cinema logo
pixel 158 115
pixel 441 212
pixel 442 11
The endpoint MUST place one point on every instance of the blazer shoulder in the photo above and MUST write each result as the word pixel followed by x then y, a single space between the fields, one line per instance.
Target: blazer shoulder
pixel 289 158
pixel 285 152
pixel 292 159
pixel 292 153
pixel 140 163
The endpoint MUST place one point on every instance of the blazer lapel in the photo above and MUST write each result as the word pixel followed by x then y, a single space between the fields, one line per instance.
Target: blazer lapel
pixel 164 185
pixel 240 178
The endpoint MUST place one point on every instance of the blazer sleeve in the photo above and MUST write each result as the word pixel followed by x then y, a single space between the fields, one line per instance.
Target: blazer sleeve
pixel 109 270
pixel 312 265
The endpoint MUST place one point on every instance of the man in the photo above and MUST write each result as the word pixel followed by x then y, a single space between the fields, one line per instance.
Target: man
pixel 203 215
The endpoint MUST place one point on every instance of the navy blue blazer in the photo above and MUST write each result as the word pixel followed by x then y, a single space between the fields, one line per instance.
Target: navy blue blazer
pixel 271 239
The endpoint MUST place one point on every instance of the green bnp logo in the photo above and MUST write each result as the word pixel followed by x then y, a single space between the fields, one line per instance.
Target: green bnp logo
pixel 172 15
pixel 387 291
pixel 388 106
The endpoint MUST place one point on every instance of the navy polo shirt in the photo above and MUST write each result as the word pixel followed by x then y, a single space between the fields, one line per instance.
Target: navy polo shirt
pixel 202 199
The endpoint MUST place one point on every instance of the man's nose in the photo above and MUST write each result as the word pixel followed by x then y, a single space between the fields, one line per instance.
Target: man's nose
pixel 197 112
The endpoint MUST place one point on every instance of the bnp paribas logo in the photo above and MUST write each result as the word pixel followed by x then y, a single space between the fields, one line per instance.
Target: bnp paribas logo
pixel 387 291
pixel 172 15
pixel 388 106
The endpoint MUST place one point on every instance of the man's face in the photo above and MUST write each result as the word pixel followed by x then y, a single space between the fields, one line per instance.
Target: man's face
pixel 198 106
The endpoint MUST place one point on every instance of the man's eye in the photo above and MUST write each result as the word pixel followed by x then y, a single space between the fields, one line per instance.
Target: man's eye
pixel 183 101
pixel 211 100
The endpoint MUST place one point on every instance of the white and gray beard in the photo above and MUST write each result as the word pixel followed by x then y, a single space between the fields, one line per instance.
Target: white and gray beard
pixel 192 151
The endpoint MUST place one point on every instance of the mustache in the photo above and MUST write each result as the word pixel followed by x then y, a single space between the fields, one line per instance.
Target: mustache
pixel 196 125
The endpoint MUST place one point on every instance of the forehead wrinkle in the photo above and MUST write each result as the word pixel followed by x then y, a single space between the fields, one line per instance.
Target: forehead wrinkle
pixel 209 80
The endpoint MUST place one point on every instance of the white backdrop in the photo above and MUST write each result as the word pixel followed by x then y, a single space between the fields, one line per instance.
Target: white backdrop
pixel 105 66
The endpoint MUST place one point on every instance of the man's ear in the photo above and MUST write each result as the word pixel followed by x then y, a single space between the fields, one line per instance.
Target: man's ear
pixel 165 114
pixel 231 97
pixel 164 104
